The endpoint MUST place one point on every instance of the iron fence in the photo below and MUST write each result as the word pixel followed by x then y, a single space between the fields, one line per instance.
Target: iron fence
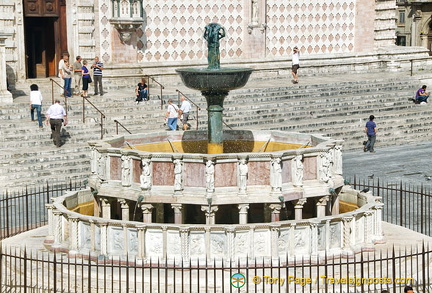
pixel 30 270
pixel 25 210
pixel 391 270
pixel 404 205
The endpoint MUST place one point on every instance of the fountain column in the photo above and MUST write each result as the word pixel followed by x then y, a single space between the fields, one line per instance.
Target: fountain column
pixel 299 208
pixel 147 212
pixel 210 213
pixel 106 207
pixel 243 213
pixel 124 208
pixel 275 214
pixel 178 216
pixel 321 206
pixel 215 128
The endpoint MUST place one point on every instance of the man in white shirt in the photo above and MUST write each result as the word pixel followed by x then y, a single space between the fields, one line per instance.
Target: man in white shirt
pixel 184 110
pixel 295 64
pixel 55 116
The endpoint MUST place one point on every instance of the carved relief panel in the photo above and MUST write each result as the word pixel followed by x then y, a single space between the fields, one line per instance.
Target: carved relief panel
pixel 41 8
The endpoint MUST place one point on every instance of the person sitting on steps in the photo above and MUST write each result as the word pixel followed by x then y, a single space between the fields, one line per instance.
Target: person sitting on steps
pixel 421 95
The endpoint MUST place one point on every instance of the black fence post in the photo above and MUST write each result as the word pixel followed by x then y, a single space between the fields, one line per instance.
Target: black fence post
pixel 7 215
pixel 401 205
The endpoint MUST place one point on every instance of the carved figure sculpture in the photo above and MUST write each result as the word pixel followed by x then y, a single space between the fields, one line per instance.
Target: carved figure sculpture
pixel 145 178
pixel 255 11
pixel 210 175
pixel 298 171
pixel 276 174
pixel 178 178
pixel 243 172
pixel 212 34
pixel 126 171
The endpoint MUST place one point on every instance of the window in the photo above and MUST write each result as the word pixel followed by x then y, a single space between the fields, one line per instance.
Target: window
pixel 401 17
pixel 401 40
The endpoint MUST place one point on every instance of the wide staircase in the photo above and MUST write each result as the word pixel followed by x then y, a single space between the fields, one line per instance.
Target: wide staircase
pixel 335 106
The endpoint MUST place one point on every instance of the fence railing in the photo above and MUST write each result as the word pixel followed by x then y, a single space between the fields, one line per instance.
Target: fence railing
pixel 122 126
pixel 25 210
pixel 35 271
pixel 392 270
pixel 102 115
pixel 404 205
pixel 161 87
pixel 53 82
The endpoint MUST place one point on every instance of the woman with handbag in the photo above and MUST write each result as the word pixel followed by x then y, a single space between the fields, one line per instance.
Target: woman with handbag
pixel 86 79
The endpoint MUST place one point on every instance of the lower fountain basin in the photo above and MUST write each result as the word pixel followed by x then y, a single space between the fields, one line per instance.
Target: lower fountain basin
pixel 223 79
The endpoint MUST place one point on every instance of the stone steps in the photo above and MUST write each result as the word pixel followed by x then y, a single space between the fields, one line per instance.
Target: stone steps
pixel 338 109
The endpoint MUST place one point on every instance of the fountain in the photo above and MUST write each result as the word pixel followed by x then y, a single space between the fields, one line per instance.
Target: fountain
pixel 214 83
pixel 248 194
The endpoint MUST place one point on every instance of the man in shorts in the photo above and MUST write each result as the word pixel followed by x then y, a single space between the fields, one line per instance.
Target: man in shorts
pixel 185 108
pixel 295 64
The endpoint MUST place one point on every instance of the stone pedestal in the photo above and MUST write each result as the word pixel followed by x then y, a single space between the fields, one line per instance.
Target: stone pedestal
pixel 5 95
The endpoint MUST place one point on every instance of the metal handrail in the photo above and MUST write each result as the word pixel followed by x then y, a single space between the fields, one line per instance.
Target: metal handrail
pixel 148 77
pixel 117 124
pixel 102 114
pixel 227 125
pixel 179 93
pixel 52 93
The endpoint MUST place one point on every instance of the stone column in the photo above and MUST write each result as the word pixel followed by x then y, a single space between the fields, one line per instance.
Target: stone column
pixel 5 95
pixel 275 211
pixel 106 207
pixel 314 239
pixel 184 239
pixel 104 238
pixel 73 235
pixel 298 207
pixel 274 230
pixel 141 241
pixel 210 212
pixel 124 208
pixel 230 231
pixel 378 222
pixel 58 228
pixel 243 213
pixel 178 215
pixel 51 224
pixel 147 212
pixel 321 206
pixel 347 221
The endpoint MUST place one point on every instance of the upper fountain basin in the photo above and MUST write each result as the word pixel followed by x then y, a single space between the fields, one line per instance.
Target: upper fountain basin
pixel 223 79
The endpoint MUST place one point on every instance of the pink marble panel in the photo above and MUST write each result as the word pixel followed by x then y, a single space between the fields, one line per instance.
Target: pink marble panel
pixel 286 171
pixel 259 173
pixel 310 168
pixel 194 175
pixel 137 170
pixel 163 173
pixel 226 174
pixel 115 168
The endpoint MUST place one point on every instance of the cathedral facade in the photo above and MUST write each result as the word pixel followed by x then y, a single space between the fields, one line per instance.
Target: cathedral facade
pixel 135 34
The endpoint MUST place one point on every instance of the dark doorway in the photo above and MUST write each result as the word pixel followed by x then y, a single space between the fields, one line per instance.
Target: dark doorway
pixel 40 46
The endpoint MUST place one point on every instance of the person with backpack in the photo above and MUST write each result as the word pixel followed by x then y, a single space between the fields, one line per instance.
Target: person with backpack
pixel 172 115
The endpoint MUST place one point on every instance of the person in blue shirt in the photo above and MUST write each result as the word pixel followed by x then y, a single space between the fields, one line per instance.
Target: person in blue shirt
pixel 371 131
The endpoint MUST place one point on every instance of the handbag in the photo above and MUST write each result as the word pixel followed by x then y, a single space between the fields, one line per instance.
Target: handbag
pixel 90 79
